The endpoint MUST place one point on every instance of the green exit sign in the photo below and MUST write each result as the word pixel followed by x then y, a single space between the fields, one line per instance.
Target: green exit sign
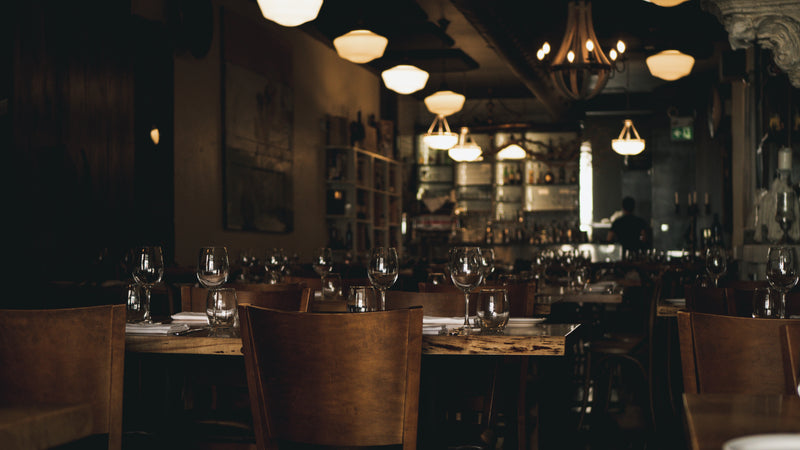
pixel 682 129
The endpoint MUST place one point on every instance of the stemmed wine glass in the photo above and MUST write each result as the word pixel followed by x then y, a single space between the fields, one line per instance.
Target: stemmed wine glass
pixel 148 268
pixel 487 262
pixel 716 263
pixel 466 272
pixel 782 273
pixel 213 267
pixel 322 262
pixel 275 263
pixel 382 271
pixel 784 213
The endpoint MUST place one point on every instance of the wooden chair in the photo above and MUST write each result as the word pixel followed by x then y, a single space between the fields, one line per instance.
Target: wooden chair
pixel 726 354
pixel 287 297
pixel 710 300
pixel 441 304
pixel 64 369
pixel 333 379
pixel 790 340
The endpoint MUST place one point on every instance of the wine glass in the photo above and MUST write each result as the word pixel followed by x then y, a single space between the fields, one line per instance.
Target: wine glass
pixel 487 262
pixel 275 263
pixel 148 268
pixel 322 262
pixel 213 267
pixel 466 272
pixel 716 263
pixel 784 213
pixel 782 274
pixel 382 271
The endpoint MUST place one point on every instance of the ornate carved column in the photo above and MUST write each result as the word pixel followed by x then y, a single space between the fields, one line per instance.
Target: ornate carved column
pixel 774 24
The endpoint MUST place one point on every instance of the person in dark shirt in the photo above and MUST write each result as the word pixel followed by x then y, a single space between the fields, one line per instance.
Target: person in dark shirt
pixel 629 230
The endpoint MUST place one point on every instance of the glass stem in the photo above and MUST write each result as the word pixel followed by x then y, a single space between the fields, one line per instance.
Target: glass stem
pixel 382 306
pixel 466 309
pixel 147 318
pixel 781 313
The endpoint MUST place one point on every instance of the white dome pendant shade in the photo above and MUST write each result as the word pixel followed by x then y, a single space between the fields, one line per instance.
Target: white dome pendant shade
pixel 666 3
pixel 512 151
pixel 444 103
pixel 442 138
pixel 466 150
pixel 404 79
pixel 625 145
pixel 290 13
pixel 670 65
pixel 360 46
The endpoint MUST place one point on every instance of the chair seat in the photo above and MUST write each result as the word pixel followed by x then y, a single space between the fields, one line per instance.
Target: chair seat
pixel 44 426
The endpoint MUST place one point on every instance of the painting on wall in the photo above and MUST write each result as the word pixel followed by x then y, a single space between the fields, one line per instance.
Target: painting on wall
pixel 258 111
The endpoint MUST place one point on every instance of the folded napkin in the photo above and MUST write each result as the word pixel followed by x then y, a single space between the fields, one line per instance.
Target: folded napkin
pixel 155 328
pixel 435 320
pixel 188 316
pixel 524 321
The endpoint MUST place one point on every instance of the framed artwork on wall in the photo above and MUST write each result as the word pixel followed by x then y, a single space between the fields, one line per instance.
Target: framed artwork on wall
pixel 257 129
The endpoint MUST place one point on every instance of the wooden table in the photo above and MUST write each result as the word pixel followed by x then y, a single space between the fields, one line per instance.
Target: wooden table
pixel 668 309
pixel 537 340
pixel 713 419
pixel 545 300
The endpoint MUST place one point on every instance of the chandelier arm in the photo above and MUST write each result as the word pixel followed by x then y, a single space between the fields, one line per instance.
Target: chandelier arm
pixel 561 56
pixel 598 52
pixel 446 125
pixel 433 124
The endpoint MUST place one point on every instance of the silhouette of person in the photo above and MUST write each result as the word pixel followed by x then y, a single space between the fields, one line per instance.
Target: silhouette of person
pixel 631 231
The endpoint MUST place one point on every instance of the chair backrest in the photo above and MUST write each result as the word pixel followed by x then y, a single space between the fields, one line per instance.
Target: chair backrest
pixel 333 379
pixel 790 337
pixel 287 297
pixel 727 354
pixel 66 356
pixel 709 300
pixel 441 304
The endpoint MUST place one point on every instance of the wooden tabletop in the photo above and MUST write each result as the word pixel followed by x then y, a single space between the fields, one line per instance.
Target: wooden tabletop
pixel 536 340
pixel 713 419
pixel 668 309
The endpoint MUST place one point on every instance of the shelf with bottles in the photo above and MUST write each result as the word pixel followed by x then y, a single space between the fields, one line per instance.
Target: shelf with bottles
pixel 544 172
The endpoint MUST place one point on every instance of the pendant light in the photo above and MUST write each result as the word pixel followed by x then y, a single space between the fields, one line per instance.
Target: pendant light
pixel 404 79
pixel 670 65
pixel 666 3
pixel 512 151
pixel 439 136
pixel 626 144
pixel 290 13
pixel 466 150
pixel 580 69
pixel 360 46
pixel 444 103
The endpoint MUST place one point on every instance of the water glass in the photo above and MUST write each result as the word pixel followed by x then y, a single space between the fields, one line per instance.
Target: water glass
pixel 436 279
pixel 134 301
pixel 493 310
pixel 361 299
pixel 221 308
pixel 213 267
pixel 331 287
pixel 765 303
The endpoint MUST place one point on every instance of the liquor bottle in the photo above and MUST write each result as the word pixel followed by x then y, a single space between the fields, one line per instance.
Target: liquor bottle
pixel 489 238
pixel 716 231
pixel 348 237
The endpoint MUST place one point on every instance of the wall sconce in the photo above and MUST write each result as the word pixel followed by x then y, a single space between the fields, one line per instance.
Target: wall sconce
pixel 360 46
pixel 625 144
pixel 404 79
pixel 466 150
pixel 670 65
pixel 290 13
pixel 442 138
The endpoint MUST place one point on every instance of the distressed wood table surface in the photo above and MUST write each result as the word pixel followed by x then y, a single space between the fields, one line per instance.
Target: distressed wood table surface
pixel 535 340
pixel 713 419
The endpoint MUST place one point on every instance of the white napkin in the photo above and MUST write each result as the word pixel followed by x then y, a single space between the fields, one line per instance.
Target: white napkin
pixel 154 328
pixel 524 321
pixel 433 324
pixel 188 316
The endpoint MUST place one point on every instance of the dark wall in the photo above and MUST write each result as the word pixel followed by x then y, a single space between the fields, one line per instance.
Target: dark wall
pixel 86 187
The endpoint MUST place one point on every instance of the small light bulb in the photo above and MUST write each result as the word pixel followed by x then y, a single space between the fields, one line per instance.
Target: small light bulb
pixel 589 45
pixel 540 54
pixel 621 47
pixel 546 48
pixel 612 54
pixel 155 136
pixel 571 56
